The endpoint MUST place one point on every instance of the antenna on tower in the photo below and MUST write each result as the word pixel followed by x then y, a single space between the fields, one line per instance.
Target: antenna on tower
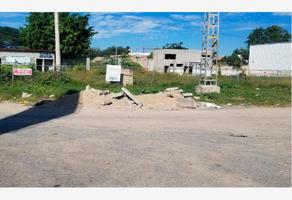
pixel 209 54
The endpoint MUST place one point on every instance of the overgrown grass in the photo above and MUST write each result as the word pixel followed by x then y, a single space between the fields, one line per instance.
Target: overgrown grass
pixel 253 91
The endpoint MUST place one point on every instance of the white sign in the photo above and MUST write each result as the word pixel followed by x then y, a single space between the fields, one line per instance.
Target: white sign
pixel 113 73
pixel 18 59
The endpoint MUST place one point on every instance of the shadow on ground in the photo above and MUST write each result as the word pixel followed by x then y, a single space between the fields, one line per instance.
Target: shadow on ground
pixel 41 112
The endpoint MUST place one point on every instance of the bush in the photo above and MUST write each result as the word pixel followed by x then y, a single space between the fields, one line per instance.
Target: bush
pixel 79 67
pixel 5 73
pixel 51 78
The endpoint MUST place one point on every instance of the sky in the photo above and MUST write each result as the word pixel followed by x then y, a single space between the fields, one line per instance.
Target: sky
pixel 153 30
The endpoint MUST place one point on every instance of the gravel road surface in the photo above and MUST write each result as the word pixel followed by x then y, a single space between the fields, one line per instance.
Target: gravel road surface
pixel 185 148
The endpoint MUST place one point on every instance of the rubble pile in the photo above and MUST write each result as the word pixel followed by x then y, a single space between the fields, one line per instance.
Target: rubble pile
pixel 170 99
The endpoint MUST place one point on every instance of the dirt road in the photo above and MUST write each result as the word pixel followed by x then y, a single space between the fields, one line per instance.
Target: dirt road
pixel 228 147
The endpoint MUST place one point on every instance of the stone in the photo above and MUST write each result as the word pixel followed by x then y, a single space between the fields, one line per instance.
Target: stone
pixel 197 97
pixel 203 89
pixel 186 95
pixel 52 96
pixel 186 103
pixel 171 89
pixel 174 94
pixel 107 102
pixel 229 104
pixel 87 87
pixel 25 95
pixel 118 95
pixel 131 97
pixel 209 105
pixel 104 92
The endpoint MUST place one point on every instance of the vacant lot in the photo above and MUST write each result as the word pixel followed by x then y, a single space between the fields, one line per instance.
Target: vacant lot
pixel 267 91
pixel 228 147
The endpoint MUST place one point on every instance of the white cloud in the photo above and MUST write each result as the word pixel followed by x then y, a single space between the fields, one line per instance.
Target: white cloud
pixel 185 17
pixel 110 25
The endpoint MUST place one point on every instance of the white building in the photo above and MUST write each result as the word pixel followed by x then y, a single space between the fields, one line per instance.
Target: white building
pixel 176 60
pixel 43 60
pixel 270 59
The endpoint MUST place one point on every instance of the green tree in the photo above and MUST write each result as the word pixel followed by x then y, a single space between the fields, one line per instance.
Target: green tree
pixel 94 52
pixel 242 53
pixel 177 45
pixel 233 60
pixel 238 58
pixel 272 34
pixel 112 50
pixel 9 37
pixel 75 34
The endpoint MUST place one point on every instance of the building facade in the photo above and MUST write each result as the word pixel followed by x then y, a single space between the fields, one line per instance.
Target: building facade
pixel 143 59
pixel 43 60
pixel 180 61
pixel 270 59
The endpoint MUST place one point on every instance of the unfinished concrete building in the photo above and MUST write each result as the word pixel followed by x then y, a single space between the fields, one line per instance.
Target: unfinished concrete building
pixel 181 61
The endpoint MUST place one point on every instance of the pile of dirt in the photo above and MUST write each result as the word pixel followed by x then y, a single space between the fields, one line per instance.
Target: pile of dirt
pixel 170 99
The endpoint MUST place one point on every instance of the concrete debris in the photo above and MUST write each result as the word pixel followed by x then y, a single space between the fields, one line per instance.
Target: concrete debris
pixel 104 92
pixel 181 90
pixel 172 99
pixel 173 94
pixel 25 95
pixel 118 95
pixel 171 89
pixel 186 103
pixel 186 95
pixel 131 96
pixel 209 105
pixel 107 102
pixel 87 87
pixel 197 97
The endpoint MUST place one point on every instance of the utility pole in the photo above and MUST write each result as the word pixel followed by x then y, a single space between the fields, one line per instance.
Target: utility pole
pixel 57 42
pixel 209 54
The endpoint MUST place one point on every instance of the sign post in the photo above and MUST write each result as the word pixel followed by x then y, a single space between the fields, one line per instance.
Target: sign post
pixel 113 73
pixel 20 66
pixel 21 71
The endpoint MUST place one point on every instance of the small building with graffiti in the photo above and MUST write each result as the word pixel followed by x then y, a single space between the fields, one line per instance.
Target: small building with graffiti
pixel 42 60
